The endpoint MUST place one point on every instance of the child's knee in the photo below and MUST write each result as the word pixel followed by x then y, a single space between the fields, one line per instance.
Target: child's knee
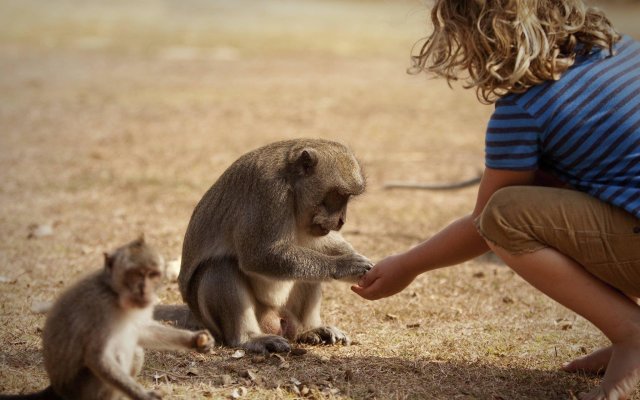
pixel 504 221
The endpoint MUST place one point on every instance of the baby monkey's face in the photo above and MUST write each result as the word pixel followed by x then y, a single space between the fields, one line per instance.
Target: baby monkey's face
pixel 135 272
pixel 139 286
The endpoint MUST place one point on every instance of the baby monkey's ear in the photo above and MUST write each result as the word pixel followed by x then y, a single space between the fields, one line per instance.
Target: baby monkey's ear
pixel 108 261
pixel 138 243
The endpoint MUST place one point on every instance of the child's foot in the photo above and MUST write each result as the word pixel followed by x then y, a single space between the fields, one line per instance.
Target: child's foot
pixel 622 376
pixel 594 363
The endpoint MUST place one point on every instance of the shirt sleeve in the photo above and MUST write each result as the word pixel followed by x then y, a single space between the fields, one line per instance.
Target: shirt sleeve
pixel 512 138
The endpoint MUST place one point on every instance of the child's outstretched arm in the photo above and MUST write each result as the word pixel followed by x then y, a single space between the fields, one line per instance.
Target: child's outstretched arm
pixel 456 243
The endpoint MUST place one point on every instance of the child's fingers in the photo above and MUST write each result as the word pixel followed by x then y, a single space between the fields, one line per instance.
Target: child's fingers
pixel 359 290
pixel 368 278
pixel 368 292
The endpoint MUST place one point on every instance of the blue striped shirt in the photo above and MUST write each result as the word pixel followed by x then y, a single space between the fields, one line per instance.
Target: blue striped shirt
pixel 583 128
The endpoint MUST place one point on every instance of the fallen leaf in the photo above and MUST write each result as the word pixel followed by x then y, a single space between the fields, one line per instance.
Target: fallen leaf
pixel 295 390
pixel 239 392
pixel 172 269
pixel 40 231
pixel 249 374
pixel 507 300
pixel 280 361
pixel 156 376
pixel 258 359
pixel 298 351
pixel 4 279
pixel 41 307
pixel 284 365
pixel 238 354
pixel 414 325
pixel 391 317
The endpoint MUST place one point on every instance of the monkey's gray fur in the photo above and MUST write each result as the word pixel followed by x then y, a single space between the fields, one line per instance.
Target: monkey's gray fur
pixel 264 237
pixel 94 335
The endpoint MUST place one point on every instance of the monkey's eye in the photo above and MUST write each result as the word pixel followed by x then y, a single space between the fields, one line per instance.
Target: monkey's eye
pixel 154 274
pixel 335 201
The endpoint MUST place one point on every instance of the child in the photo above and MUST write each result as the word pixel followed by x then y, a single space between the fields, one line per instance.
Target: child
pixel 566 89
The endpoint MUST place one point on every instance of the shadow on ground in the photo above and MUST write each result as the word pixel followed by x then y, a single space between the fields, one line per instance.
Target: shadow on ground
pixel 395 378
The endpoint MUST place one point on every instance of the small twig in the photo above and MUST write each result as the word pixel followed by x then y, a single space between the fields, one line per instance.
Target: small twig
pixel 171 373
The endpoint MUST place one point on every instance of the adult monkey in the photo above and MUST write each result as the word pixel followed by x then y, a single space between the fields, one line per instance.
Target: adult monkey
pixel 262 239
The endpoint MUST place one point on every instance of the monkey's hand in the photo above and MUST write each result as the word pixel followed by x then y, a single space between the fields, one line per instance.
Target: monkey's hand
pixel 203 342
pixel 351 267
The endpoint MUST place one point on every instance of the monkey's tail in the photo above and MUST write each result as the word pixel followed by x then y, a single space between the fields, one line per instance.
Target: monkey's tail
pixel 177 314
pixel 46 394
pixel 432 186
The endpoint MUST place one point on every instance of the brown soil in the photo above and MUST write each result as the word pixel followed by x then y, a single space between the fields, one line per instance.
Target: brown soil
pixel 115 117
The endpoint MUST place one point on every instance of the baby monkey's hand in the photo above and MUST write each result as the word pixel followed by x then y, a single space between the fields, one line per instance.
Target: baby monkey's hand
pixel 203 342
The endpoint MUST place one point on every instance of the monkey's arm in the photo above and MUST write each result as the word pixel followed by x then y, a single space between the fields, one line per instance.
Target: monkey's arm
pixel 104 365
pixel 277 242
pixel 289 261
pixel 334 244
pixel 161 337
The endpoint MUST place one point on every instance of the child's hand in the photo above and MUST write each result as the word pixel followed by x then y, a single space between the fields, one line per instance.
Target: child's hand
pixel 386 278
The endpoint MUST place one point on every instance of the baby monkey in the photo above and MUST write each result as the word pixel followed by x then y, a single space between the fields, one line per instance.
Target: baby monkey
pixel 95 332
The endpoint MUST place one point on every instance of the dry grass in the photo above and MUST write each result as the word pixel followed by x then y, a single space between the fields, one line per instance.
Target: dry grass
pixel 116 116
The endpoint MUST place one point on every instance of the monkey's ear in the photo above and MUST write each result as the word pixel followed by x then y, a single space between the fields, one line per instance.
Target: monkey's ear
pixel 306 162
pixel 108 261
pixel 140 239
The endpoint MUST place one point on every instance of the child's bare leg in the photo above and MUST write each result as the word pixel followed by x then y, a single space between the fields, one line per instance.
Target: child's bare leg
pixel 618 317
pixel 596 362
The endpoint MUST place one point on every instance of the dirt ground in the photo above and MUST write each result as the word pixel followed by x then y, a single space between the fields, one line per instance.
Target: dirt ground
pixel 115 117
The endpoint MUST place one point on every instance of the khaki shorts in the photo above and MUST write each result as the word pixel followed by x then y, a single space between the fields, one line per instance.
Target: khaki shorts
pixel 604 239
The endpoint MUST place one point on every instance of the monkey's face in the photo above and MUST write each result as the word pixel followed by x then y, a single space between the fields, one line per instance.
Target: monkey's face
pixel 139 286
pixel 331 213
pixel 325 177
pixel 135 271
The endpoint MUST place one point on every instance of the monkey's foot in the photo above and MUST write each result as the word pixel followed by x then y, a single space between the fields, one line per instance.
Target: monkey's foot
pixel 267 344
pixel 324 335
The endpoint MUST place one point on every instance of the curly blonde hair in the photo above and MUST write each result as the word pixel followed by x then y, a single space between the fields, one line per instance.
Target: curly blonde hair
pixel 507 46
